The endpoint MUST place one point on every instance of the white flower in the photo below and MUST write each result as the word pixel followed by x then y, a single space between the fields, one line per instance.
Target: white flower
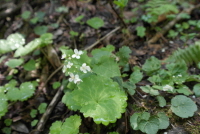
pixel 77 54
pixel 63 56
pixel 64 68
pixel 167 88
pixel 179 75
pixel 69 64
pixel 74 78
pixel 85 68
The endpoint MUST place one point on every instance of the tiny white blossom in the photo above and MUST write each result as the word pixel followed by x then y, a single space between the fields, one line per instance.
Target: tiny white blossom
pixel 77 54
pixel 64 68
pixel 179 75
pixel 74 78
pixel 63 56
pixel 167 88
pixel 69 65
pixel 85 68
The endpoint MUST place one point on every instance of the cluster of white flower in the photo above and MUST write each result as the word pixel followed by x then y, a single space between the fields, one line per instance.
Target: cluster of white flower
pixel 84 68
pixel 167 88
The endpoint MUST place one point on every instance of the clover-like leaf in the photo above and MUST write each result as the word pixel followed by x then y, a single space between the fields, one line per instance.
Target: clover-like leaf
pixel 141 31
pixel 98 97
pixel 123 54
pixel 183 106
pixel 151 65
pixel 70 126
pixel 13 42
pixel 136 76
pixel 150 126
pixel 95 22
pixel 22 51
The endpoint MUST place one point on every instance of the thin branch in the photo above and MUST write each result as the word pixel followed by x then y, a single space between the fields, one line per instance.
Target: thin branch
pixel 98 41
pixel 120 18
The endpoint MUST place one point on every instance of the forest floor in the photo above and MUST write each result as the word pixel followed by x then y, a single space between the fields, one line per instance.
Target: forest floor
pixel 66 20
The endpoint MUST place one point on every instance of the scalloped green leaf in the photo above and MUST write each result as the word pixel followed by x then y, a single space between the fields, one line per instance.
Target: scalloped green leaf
pixel 150 126
pixel 98 97
pixel 183 106
pixel 196 89
pixel 123 54
pixel 3 104
pixel 107 67
pixel 12 42
pixel 70 126
pixel 25 91
pixel 22 51
pixel 151 65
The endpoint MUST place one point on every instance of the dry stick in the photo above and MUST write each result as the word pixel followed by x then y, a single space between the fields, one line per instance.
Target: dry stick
pixel 120 18
pixel 98 41
pixel 167 27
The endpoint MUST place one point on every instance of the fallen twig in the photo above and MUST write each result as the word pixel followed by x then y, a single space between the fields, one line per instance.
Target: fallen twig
pixel 167 27
pixel 98 41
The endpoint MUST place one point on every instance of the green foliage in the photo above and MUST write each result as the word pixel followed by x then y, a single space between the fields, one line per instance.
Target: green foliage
pixel 12 42
pixel 62 9
pixel 56 85
pixel 183 106
pixel 136 76
pixel 97 99
pixel 12 63
pixel 12 93
pixel 26 15
pixel 8 122
pixel 124 55
pixel 39 30
pixel 160 7
pixel 121 3
pixel 161 100
pixel 190 55
pixel 196 89
pixel 149 124
pixel 151 65
pixel 140 31
pixel 33 113
pixel 73 33
pixel 30 65
pixel 70 126
pixel 6 130
pixel 44 40
pixel 42 107
pixel 95 22
pixel 34 122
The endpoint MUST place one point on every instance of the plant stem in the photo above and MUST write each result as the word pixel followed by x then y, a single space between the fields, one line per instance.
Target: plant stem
pixel 98 128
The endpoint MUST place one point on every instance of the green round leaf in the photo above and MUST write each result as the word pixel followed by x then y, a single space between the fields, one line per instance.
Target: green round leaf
pixel 163 120
pixel 95 22
pixel 3 105
pixel 183 106
pixel 150 126
pixel 42 107
pixel 196 89
pixel 98 97
pixel 161 100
